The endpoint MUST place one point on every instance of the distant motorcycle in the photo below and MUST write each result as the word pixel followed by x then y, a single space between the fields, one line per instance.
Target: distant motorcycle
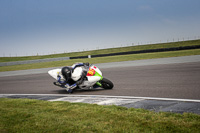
pixel 94 79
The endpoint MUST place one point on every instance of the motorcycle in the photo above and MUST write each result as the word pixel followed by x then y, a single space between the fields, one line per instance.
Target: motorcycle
pixel 93 80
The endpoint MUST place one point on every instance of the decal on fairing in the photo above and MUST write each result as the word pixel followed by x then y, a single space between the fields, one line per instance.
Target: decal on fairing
pixel 91 72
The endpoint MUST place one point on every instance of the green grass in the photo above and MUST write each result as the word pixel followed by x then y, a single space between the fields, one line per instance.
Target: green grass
pixel 25 115
pixel 102 60
pixel 103 51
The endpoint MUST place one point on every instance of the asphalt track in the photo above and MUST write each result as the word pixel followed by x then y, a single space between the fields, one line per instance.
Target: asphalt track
pixel 171 78
pixel 177 80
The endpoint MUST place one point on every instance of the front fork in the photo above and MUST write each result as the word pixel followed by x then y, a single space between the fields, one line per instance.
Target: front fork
pixel 98 83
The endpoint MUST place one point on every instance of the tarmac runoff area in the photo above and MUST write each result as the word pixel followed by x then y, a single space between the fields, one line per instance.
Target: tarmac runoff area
pixel 149 103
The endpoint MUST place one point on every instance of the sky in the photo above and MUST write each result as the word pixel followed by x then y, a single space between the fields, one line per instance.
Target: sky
pixel 31 27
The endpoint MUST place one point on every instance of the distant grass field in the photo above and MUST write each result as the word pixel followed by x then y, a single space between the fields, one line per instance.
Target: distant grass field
pixel 103 51
pixel 37 116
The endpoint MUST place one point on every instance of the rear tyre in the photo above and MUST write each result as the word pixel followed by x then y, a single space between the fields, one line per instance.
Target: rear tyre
pixel 106 84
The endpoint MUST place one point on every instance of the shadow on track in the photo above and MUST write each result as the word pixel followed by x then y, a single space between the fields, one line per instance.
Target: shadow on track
pixel 77 91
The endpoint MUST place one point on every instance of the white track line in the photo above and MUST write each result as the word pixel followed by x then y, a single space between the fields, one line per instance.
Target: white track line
pixel 106 96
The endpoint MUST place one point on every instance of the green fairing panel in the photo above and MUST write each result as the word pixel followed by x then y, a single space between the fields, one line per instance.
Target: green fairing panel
pixel 97 74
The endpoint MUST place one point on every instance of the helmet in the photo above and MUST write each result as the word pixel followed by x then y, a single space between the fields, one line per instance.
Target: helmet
pixel 66 72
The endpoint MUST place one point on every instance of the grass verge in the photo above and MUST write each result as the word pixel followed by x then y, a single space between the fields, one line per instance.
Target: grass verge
pixel 102 60
pixel 26 115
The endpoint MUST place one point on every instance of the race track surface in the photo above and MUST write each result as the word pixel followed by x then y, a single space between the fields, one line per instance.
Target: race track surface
pixel 178 80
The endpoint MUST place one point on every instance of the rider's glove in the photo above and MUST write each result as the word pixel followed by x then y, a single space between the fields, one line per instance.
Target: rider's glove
pixel 83 77
pixel 60 81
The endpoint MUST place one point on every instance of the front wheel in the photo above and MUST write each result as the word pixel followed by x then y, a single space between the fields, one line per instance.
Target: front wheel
pixel 106 84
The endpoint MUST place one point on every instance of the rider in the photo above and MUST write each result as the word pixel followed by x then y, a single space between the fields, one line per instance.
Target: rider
pixel 76 73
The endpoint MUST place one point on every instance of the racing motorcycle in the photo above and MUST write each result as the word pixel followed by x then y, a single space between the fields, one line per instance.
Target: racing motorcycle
pixel 93 80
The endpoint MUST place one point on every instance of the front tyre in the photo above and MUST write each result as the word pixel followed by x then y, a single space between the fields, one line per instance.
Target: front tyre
pixel 106 84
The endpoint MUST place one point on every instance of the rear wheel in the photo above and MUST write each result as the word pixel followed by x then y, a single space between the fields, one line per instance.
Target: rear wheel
pixel 106 84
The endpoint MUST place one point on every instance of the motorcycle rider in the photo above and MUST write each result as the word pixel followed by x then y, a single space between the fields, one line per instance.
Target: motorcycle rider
pixel 76 73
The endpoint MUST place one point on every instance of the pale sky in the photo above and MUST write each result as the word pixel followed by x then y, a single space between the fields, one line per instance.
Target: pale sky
pixel 28 27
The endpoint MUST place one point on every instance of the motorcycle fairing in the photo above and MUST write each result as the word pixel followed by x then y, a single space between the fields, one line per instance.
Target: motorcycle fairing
pixel 93 76
pixel 54 73
pixel 91 72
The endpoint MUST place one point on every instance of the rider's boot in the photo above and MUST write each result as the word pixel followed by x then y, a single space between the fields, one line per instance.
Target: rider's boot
pixel 69 88
pixel 70 91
